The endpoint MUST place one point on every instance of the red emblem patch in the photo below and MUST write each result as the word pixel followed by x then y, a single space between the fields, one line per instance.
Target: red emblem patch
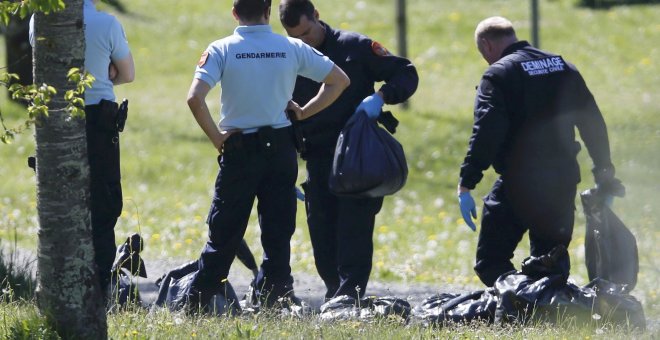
pixel 202 59
pixel 379 49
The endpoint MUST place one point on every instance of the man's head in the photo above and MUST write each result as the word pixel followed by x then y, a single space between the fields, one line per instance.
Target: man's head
pixel 301 20
pixel 252 11
pixel 493 35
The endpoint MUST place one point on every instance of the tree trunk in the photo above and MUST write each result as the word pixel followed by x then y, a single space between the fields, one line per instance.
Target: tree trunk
pixel 68 292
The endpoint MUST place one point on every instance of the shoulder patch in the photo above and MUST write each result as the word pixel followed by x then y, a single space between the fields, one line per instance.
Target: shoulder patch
pixel 202 59
pixel 543 66
pixel 379 49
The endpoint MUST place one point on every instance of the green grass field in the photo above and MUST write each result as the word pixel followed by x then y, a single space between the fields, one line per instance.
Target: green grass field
pixel 168 166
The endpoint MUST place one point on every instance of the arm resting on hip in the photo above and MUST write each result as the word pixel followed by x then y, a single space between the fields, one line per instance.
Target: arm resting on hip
pixel 333 85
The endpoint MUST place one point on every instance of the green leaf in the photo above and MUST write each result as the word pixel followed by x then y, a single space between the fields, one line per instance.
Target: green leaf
pixel 5 17
pixel 15 87
pixel 72 71
pixel 78 102
pixel 23 12
pixel 5 139
pixel 68 95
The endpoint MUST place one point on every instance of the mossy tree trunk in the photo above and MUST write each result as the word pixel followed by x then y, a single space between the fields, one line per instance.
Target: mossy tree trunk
pixel 68 291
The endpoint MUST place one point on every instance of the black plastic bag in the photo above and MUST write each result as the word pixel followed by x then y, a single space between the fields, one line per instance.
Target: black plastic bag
pixel 123 291
pixel 610 248
pixel 345 307
pixel 368 161
pixel 175 289
pixel 446 307
pixel 128 256
pixel 128 264
pixel 539 292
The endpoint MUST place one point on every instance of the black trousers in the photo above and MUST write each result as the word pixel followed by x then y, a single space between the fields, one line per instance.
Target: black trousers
pixel 546 209
pixel 105 188
pixel 341 230
pixel 261 165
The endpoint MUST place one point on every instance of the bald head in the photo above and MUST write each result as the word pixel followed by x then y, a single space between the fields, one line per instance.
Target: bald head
pixel 493 35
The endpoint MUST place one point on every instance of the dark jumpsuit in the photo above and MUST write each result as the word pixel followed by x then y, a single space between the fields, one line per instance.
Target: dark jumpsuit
pixel 526 110
pixel 341 228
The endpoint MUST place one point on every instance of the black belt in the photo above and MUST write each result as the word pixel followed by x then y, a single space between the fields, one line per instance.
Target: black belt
pixel 265 139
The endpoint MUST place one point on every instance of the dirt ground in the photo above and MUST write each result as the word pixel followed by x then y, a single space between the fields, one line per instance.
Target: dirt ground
pixel 308 287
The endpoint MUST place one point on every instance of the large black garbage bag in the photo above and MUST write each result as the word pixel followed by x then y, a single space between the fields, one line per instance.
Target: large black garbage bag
pixel 538 292
pixel 123 291
pixel 244 254
pixel 614 303
pixel 127 265
pixel 541 292
pixel 128 256
pixel 610 248
pixel 368 161
pixel 348 308
pixel 175 287
pixel 446 307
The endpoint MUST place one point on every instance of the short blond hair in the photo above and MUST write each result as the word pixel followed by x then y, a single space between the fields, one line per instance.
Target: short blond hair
pixel 494 28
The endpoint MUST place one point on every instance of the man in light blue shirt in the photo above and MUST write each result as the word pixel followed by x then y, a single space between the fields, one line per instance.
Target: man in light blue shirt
pixel 257 71
pixel 107 54
pixel 107 58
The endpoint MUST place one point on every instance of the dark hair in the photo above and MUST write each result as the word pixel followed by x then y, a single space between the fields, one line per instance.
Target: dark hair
pixel 249 10
pixel 292 10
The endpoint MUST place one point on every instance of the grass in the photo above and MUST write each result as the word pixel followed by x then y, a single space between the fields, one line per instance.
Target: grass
pixel 16 279
pixel 21 321
pixel 168 166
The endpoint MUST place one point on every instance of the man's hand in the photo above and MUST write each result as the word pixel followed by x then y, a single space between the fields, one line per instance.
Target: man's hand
pixel 468 208
pixel 372 105
pixel 293 106
pixel 609 189
pixel 112 71
pixel 224 135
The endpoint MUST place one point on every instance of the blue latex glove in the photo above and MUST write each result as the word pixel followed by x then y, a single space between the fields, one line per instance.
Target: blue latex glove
pixel 300 195
pixel 372 105
pixel 466 202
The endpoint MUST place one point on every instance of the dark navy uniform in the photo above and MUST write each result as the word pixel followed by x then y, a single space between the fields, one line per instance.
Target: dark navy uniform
pixel 341 228
pixel 526 109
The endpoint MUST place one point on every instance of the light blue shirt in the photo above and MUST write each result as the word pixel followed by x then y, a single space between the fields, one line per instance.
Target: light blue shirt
pixel 105 41
pixel 257 72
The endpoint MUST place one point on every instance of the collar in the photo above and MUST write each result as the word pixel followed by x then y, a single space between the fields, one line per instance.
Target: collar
pixel 518 45
pixel 240 30
pixel 329 37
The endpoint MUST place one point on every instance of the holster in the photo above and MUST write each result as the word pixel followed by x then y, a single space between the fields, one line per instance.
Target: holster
pixel 111 116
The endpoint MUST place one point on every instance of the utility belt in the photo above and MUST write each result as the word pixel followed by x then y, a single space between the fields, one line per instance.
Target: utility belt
pixel 107 115
pixel 266 140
